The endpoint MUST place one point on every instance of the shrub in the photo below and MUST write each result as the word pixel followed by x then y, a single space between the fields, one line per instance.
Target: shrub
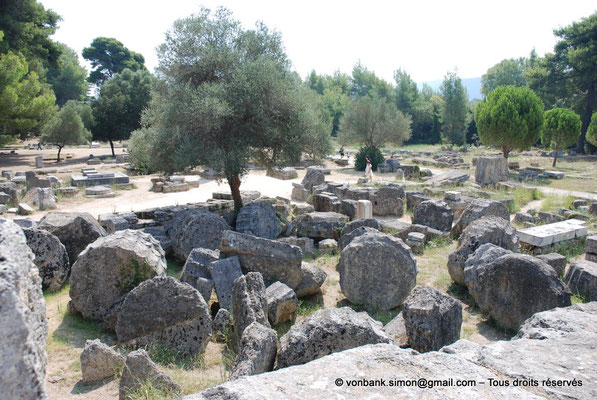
pixel 374 154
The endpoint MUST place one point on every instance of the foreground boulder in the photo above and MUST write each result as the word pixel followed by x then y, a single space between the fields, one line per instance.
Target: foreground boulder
pixel 357 223
pixel 224 273
pixel 249 303
pixel 99 361
pixel 377 270
pixel 111 267
pixel 51 258
pixel 432 319
pixel 515 286
pixel 23 322
pixel 165 311
pixel 582 279
pixel 321 225
pixel 276 261
pixel 312 278
pixel 477 209
pixel 281 303
pixel 328 331
pixel 139 370
pixel 435 214
pixel 75 230
pixel 258 348
pixel 348 237
pixel 194 228
pixel 259 219
pixel 494 230
pixel 556 261
pixel 568 343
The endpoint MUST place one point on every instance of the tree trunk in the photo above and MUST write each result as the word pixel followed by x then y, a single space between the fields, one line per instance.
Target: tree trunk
pixel 555 157
pixel 586 117
pixel 112 146
pixel 59 150
pixel 506 151
pixel 234 183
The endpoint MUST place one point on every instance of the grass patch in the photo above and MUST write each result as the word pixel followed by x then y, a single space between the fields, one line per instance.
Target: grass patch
pixel 553 202
pixel 146 390
pixel 308 305
pixel 173 268
pixel 520 196
pixel 571 248
pixel 439 241
pixel 170 357
pixel 431 266
pixel 578 299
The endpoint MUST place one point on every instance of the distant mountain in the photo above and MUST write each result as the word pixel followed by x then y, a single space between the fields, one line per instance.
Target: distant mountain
pixel 472 85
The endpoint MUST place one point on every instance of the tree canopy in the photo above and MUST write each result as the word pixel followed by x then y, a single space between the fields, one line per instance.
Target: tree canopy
pixel 68 79
pixel 117 111
pixel 108 56
pixel 561 130
pixel 455 109
pixel 592 130
pixel 226 95
pixel 67 127
pixel 506 72
pixel 510 118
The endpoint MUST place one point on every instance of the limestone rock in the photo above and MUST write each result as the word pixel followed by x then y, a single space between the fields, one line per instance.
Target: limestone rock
pixel 138 370
pixel 389 200
pixel 348 237
pixel 224 273
pixel 221 322
pixel 249 302
pixel 259 219
pixel 435 214
pixel 494 230
pixel 514 287
pixel 275 260
pixel 281 303
pixel 159 234
pixel 312 278
pixel 75 230
pixel 23 322
pixel 432 319
pixel 327 246
pixel 485 254
pixel 191 229
pixel 112 266
pixel 328 331
pixel 369 222
pixel 556 261
pixel 582 279
pixel 396 330
pixel 477 209
pixel 304 243
pixel 166 311
pixel 51 258
pixel 321 225
pixel 258 348
pixel 313 177
pixel 491 170
pixel 197 271
pixel 99 361
pixel 377 270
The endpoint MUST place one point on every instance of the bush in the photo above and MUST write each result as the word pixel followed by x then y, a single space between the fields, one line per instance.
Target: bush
pixel 140 150
pixel 374 154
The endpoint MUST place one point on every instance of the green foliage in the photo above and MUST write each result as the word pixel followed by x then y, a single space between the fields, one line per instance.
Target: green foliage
pixel 147 390
pixel 141 148
pixel 132 274
pixel 167 356
pixel 571 248
pixel 508 72
pixel 511 118
pixel 592 130
pixel 365 83
pixel 108 57
pixel 374 154
pixel 406 92
pixel 373 122
pixel 67 127
pixel 455 109
pixel 27 28
pixel 117 111
pixel 562 129
pixel 578 299
pixel 25 102
pixel 308 305
pixel 68 79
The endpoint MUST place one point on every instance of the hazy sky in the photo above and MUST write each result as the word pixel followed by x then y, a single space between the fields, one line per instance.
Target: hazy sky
pixel 424 37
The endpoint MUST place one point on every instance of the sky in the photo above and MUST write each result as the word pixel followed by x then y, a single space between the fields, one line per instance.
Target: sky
pixel 426 38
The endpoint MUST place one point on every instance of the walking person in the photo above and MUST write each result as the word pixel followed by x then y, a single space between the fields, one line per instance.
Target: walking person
pixel 368 169
pixel 341 152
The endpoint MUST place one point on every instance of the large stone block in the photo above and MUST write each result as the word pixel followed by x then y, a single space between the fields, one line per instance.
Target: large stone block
pixel 51 258
pixel 435 214
pixel 582 279
pixel 259 219
pixel 491 170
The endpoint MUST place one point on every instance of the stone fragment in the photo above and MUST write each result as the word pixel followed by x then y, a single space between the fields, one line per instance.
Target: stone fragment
pixel 328 331
pixel 224 273
pixel 51 258
pixel 258 348
pixel 479 208
pixel 99 361
pixel 435 214
pixel 139 370
pixel 396 331
pixel 25 209
pixel 327 246
pixel 377 270
pixel 259 219
pixel 221 323
pixel 491 170
pixel 582 279
pixel 321 225
pixel 556 261
pixel 197 270
pixel 249 303
pixel 312 278
pixel 312 178
pixel 306 245
pixel 281 303
pixel 364 209
pixel 192 229
pixel 389 200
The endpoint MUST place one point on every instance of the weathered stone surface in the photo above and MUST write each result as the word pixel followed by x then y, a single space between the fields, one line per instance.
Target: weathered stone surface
pixel 46 199
pixel 112 223
pixel 10 189
pixel 491 170
pixel 556 261
pixel 321 225
pixel 547 235
pixel 479 208
pixel 364 209
pixel 281 303
pixel 222 322
pixel 283 173
pixel 23 322
pixel 51 258
pixel 350 208
pixel 413 198
pixel 396 331
pixel 377 270
pixel 258 348
pixel 514 287
pixel 224 273
pixel 166 311
pixel 492 230
pixel 591 244
pixel 159 234
pixel 328 331
pixel 276 261
pixel 448 178
pixel 347 238
pixel 99 361
pixel 191 229
pixel 370 222
pixel 313 177
pixel 312 278
pixel 484 254
pixel 582 279
pixel 75 230
pixel 389 200
pixel 432 319
pixel 327 246
pixel 249 303
pixel 299 193
pixel 112 266
pixel 259 219
pixel 306 244
pixel 435 214
pixel 326 202
pixel 300 209
pixel 197 270
pixel 139 370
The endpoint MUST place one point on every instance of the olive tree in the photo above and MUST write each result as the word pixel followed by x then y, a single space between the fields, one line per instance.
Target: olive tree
pixel 225 96
pixel 67 127
pixel 562 129
pixel 510 118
